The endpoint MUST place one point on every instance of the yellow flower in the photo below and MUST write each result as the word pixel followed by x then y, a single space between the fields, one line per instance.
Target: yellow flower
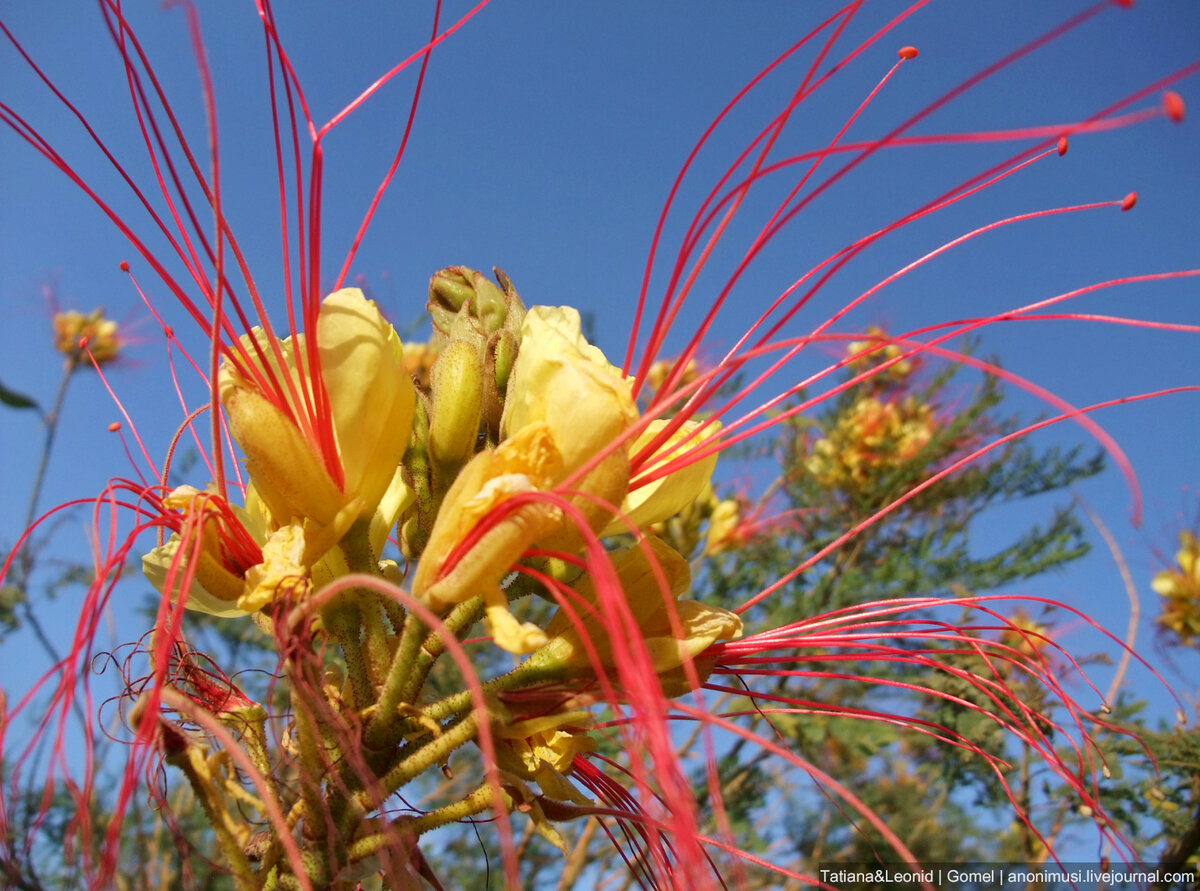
pixel 370 409
pixel 876 351
pixel 240 567
pixel 565 406
pixel 77 335
pixel 668 495
pixel 873 436
pixel 526 462
pixel 1180 588
pixel 723 525
pixel 541 749
pixel 563 381
pixel 674 631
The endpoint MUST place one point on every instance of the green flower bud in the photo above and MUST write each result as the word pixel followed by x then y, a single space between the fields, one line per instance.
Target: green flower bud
pixel 457 400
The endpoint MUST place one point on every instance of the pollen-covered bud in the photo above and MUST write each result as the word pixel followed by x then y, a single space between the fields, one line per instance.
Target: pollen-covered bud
pixel 457 383
pixel 78 336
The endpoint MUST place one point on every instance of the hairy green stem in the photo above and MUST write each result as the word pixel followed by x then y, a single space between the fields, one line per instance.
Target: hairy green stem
pixel 421 758
pixel 384 724
pixel 479 800
pixel 211 801
pixel 531 671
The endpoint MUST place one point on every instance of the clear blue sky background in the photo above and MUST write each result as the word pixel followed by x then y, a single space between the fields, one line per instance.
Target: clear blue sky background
pixel 546 141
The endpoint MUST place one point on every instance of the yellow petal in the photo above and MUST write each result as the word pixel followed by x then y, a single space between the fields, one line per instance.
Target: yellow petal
pixel 665 497
pixel 562 380
pixel 288 476
pixel 156 564
pixel 371 396
pixel 525 462
pixel 282 572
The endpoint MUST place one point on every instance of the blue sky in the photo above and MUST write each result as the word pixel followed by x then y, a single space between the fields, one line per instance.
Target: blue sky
pixel 546 141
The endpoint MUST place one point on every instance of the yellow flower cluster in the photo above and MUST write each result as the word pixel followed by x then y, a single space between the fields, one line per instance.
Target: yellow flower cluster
pixel 516 435
pixel 1180 590
pixel 873 437
pixel 876 350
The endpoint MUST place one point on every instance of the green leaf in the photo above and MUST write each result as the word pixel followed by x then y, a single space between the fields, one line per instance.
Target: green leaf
pixel 13 399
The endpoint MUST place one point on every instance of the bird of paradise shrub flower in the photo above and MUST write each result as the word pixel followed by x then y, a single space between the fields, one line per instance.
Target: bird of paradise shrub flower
pixel 520 478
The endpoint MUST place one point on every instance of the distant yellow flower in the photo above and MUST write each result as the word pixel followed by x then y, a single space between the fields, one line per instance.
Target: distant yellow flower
pixel 76 336
pixel 873 436
pixel 1180 589
pixel 723 525
pixel 867 353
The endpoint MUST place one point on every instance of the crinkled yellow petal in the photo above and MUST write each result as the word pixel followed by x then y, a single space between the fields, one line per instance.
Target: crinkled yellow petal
pixel 665 497
pixel 371 396
pixel 282 573
pixel 508 633
pixel 562 380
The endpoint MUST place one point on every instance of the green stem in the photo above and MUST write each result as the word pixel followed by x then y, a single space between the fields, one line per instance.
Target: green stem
pixel 210 800
pixel 252 722
pixel 343 619
pixel 421 758
pixel 384 722
pixel 531 671
pixel 23 566
pixel 311 768
pixel 479 800
pixel 459 620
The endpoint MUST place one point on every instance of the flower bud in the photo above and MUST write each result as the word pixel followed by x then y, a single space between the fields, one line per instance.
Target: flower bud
pixel 457 379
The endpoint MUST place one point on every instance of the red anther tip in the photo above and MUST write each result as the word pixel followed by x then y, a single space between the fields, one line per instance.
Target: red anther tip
pixel 1125 3
pixel 1173 106
pixel 908 52
pixel 169 332
pixel 84 341
pixel 114 426
pixel 124 264
pixel 1063 145
pixel 1129 201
